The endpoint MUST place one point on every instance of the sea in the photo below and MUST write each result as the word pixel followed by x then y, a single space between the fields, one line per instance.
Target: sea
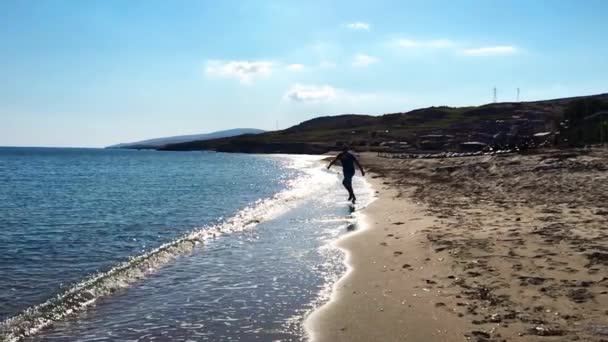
pixel 126 245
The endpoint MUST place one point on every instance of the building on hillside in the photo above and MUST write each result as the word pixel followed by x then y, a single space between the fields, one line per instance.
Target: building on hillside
pixel 542 139
pixel 434 141
pixel 473 146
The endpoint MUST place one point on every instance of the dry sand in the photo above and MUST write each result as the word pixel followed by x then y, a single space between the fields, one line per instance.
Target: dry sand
pixel 488 248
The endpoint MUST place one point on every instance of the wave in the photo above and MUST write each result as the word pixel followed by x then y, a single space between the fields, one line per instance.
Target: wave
pixel 84 293
pixel 336 266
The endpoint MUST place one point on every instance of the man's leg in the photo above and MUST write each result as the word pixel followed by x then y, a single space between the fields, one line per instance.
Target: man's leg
pixel 345 183
pixel 348 184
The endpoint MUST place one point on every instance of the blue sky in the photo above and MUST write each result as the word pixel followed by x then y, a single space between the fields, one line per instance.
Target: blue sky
pixel 94 73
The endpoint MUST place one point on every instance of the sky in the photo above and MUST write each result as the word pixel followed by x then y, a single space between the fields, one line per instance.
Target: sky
pixel 95 73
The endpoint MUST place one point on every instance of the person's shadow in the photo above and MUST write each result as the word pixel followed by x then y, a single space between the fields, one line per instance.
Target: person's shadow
pixel 351 208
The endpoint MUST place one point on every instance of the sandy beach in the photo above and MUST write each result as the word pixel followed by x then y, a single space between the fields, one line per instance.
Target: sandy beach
pixel 488 248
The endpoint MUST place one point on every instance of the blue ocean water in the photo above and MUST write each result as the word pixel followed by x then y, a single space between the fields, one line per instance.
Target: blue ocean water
pixel 146 245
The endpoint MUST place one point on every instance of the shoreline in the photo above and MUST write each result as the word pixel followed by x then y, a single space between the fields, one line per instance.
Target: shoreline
pixel 363 225
pixel 378 297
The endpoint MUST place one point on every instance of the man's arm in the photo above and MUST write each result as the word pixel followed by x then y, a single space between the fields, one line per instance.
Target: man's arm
pixel 359 166
pixel 333 161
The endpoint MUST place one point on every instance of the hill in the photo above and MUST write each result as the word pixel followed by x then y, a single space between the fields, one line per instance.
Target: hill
pixel 159 142
pixel 500 125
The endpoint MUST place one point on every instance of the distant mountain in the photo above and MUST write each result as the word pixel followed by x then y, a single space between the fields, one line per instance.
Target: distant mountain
pixel 160 142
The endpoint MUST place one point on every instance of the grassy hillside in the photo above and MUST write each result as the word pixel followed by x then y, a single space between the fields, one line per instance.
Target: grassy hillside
pixel 366 132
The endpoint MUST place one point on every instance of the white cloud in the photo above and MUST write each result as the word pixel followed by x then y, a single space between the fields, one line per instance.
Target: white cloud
pixel 310 93
pixel 432 44
pixel 328 94
pixel 490 51
pixel 358 26
pixel 456 47
pixel 295 67
pixel 364 60
pixel 407 43
pixel 245 71
pixel 331 100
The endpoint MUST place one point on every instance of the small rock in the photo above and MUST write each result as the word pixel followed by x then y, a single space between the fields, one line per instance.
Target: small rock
pixel 546 331
pixel 478 333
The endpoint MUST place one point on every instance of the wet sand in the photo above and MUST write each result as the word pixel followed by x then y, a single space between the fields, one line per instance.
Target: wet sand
pixel 486 248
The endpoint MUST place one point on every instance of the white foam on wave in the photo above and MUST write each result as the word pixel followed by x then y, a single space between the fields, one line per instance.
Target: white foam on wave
pixel 327 294
pixel 85 293
pixel 336 265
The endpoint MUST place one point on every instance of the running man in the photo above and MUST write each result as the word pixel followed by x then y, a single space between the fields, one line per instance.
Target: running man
pixel 348 161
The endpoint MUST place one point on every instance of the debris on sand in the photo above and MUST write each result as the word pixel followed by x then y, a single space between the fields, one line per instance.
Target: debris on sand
pixel 525 237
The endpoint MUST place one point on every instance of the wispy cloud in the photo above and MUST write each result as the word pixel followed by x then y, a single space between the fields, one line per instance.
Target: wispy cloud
pixel 429 44
pixel 490 50
pixel 454 46
pixel 244 71
pixel 359 26
pixel 330 99
pixel 362 60
pixel 310 93
pixel 295 67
